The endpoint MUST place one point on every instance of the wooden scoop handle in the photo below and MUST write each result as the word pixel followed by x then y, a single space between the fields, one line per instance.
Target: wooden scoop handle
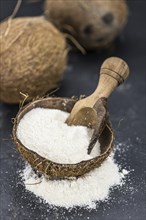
pixel 113 72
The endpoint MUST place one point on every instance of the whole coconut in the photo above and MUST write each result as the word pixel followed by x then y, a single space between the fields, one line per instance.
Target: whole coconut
pixel 32 58
pixel 94 23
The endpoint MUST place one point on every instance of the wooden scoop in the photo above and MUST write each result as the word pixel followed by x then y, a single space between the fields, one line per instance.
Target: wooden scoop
pixel 113 72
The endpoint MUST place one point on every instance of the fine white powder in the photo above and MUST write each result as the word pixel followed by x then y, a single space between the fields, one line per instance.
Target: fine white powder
pixel 84 191
pixel 45 132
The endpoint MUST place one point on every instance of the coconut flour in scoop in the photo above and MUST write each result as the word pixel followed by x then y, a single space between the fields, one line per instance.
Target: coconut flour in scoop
pixel 45 132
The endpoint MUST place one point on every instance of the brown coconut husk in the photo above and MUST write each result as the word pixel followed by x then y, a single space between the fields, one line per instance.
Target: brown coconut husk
pixel 94 24
pixel 105 136
pixel 33 58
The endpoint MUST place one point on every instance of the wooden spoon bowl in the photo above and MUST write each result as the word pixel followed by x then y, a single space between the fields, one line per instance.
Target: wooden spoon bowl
pixel 51 168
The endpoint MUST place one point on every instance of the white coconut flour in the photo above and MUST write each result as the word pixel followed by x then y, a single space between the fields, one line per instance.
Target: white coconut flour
pixel 45 132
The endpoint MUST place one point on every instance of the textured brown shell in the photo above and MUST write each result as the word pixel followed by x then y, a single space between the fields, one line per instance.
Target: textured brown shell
pixel 94 23
pixel 51 168
pixel 32 58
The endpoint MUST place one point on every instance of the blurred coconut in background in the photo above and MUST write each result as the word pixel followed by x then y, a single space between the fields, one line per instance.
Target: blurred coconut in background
pixel 32 58
pixel 93 23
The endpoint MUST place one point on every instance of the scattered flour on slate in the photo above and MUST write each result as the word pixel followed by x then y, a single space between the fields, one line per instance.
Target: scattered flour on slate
pixel 44 131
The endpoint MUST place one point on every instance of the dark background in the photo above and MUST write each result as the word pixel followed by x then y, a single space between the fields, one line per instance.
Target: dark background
pixel 127 110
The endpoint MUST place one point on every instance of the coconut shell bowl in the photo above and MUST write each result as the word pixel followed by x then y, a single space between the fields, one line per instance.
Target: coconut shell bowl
pixel 90 111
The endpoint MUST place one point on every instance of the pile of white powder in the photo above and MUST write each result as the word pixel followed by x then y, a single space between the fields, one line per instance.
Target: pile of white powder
pixel 45 132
